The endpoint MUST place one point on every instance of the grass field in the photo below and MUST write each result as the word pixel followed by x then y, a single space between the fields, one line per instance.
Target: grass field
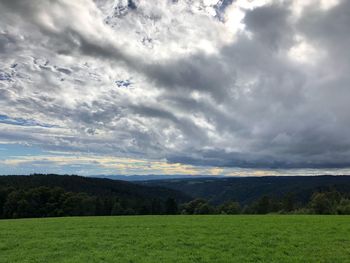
pixel 177 239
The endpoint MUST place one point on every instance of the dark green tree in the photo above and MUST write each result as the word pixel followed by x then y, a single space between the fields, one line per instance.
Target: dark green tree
pixel 325 202
pixel 230 208
pixel 343 207
pixel 156 207
pixel 289 202
pixel 190 207
pixel 171 207
pixel 204 209
pixel 117 209
pixel 263 205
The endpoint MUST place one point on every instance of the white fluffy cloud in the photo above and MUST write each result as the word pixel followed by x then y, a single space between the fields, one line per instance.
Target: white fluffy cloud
pixel 254 84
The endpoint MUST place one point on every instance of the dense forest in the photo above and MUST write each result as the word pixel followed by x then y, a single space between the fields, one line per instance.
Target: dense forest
pixel 246 190
pixel 328 202
pixel 63 195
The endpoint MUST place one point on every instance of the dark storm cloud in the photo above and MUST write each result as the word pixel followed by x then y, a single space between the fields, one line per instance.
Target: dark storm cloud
pixel 269 25
pixel 199 72
pixel 329 30
pixel 6 41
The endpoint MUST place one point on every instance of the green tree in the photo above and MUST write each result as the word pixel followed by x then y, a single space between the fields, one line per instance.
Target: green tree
pixel 190 207
pixel 117 209
pixel 343 207
pixel 171 207
pixel 263 205
pixel 230 208
pixel 79 204
pixel 325 202
pixel 156 207
pixel 289 202
pixel 204 209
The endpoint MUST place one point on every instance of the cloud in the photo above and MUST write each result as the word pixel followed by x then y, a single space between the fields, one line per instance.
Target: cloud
pixel 173 80
pixel 22 122
pixel 65 162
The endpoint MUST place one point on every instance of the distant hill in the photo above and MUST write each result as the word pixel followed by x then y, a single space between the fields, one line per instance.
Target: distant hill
pixel 64 195
pixel 248 189
pixel 93 186
pixel 135 178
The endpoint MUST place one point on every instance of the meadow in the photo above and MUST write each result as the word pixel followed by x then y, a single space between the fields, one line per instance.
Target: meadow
pixel 268 238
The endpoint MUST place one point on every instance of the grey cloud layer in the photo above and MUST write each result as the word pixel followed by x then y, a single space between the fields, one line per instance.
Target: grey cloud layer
pixel 274 95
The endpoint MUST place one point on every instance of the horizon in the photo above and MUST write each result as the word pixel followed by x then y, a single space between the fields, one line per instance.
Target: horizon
pixel 214 87
pixel 150 177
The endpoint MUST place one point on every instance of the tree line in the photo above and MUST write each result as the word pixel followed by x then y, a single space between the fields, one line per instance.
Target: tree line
pixel 326 203
pixel 57 202
pixel 50 195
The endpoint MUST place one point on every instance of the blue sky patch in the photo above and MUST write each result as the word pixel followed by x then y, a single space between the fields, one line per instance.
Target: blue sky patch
pixel 123 83
pixel 23 122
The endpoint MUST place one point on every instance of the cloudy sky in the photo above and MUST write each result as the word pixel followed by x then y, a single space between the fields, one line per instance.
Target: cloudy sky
pixel 233 87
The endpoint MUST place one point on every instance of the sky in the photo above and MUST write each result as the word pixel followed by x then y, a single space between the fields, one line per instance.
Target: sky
pixel 229 87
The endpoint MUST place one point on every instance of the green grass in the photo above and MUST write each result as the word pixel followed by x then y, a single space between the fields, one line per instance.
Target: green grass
pixel 177 239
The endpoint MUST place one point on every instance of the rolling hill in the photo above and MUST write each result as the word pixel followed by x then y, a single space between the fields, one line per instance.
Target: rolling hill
pixel 248 189
pixel 93 186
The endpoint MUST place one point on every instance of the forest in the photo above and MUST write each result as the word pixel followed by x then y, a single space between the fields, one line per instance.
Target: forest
pixel 55 196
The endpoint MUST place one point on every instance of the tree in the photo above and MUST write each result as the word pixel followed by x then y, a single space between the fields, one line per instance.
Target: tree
pixel 263 205
pixel 156 207
pixel 288 202
pixel 117 209
pixel 12 205
pixel 100 209
pixel 171 207
pixel 79 204
pixel 325 203
pixel 204 209
pixel 4 192
pixel 344 207
pixel 230 208
pixel 190 207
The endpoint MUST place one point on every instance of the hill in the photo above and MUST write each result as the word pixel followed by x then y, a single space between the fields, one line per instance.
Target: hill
pixel 63 195
pixel 92 186
pixel 148 177
pixel 248 189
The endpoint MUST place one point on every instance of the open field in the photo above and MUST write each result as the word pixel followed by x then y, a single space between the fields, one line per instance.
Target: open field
pixel 177 239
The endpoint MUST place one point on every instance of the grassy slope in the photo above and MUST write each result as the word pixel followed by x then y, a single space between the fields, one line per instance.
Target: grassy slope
pixel 177 239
